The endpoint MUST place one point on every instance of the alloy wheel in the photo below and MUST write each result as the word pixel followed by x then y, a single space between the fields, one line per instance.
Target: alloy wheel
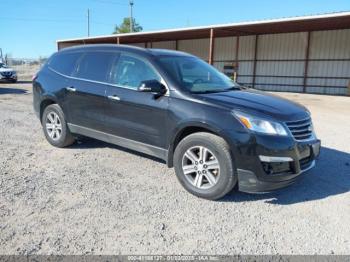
pixel 53 126
pixel 201 167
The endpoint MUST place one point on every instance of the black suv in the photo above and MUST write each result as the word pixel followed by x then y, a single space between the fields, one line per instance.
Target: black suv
pixel 178 108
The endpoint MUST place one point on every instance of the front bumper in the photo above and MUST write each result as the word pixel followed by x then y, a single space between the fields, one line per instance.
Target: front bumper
pixel 8 78
pixel 265 163
pixel 250 183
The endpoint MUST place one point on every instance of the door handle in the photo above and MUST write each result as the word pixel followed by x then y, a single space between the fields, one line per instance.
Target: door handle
pixel 71 89
pixel 114 97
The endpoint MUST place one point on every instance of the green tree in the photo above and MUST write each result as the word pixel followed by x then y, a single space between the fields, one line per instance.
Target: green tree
pixel 125 26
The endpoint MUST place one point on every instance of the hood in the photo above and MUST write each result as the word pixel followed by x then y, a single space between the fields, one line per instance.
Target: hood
pixel 258 103
pixel 2 69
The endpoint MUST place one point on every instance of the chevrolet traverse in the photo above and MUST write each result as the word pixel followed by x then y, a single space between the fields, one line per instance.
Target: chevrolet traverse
pixel 176 107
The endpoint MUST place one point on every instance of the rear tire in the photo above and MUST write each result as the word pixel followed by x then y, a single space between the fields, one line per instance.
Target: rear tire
pixel 204 166
pixel 55 127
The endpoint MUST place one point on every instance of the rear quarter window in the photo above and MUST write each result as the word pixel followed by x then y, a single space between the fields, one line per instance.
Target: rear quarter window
pixel 64 63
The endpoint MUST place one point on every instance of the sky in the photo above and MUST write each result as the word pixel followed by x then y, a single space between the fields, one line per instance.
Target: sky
pixel 30 28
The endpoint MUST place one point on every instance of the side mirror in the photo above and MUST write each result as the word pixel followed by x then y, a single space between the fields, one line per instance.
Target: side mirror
pixel 152 86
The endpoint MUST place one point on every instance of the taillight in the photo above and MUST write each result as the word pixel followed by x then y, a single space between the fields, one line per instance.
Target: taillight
pixel 35 76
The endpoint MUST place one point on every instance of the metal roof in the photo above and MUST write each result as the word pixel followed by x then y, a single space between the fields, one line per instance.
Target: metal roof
pixel 330 21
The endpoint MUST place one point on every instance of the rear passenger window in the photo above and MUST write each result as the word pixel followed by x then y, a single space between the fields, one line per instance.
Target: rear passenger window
pixel 95 66
pixel 64 63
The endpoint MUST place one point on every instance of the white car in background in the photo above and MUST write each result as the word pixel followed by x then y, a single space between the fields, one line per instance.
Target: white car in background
pixel 7 73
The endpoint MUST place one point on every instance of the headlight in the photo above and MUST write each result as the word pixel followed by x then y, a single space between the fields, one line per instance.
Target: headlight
pixel 260 125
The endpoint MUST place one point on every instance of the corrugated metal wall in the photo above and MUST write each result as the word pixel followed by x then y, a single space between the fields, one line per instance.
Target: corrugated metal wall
pixel 165 45
pixel 224 51
pixel 197 47
pixel 278 66
pixel 329 66
pixel 138 44
pixel 245 59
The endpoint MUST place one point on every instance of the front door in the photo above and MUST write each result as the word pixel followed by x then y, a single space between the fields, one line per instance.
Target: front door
pixel 135 115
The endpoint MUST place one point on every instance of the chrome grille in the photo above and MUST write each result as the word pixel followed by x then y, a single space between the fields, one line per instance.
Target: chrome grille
pixel 301 129
pixel 6 74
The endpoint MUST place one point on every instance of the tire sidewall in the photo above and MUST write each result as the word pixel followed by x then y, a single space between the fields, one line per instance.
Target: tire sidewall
pixel 55 108
pixel 225 161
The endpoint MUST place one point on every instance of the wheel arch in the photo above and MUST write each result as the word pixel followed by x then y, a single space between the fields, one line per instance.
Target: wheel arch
pixel 45 102
pixel 187 129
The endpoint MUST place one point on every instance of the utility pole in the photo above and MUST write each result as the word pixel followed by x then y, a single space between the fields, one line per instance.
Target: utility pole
pixel 131 2
pixel 88 22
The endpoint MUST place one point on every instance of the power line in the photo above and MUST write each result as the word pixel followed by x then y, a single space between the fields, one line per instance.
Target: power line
pixel 109 2
pixel 41 19
pixel 56 20
pixel 101 23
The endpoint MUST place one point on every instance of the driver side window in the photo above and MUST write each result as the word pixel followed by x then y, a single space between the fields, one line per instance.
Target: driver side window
pixel 130 72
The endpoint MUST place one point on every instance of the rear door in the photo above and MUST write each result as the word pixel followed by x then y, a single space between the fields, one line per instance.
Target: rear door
pixel 86 91
pixel 131 114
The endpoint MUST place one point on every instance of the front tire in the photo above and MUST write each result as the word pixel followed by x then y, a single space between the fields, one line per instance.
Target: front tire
pixel 55 127
pixel 204 166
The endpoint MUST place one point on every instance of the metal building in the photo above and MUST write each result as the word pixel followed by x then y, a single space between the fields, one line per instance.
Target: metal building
pixel 308 54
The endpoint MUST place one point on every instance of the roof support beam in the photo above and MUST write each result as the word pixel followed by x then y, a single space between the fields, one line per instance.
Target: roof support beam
pixel 307 57
pixel 211 46
pixel 236 58
pixel 255 58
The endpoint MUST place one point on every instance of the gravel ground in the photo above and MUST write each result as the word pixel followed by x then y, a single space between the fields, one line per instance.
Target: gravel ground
pixel 96 198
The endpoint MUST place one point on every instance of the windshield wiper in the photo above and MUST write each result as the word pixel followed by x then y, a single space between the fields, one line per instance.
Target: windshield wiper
pixel 233 88
pixel 207 91
pixel 217 90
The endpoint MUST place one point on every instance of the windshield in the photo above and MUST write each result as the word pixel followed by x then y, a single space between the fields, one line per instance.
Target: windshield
pixel 196 75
